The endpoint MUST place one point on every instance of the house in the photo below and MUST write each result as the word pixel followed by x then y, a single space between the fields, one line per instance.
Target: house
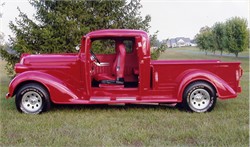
pixel 193 43
pixel 178 42
pixel 171 43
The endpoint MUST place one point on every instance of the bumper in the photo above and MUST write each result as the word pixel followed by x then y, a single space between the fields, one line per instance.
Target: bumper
pixel 8 95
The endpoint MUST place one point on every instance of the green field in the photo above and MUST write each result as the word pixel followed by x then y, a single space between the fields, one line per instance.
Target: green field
pixel 130 125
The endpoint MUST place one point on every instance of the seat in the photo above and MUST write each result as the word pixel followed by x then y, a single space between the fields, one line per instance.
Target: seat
pixel 117 75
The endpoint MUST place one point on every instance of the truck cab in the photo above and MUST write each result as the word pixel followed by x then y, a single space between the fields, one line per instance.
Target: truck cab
pixel 120 70
pixel 114 67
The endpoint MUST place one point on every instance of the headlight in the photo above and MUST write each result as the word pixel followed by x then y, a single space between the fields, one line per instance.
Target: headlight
pixel 22 61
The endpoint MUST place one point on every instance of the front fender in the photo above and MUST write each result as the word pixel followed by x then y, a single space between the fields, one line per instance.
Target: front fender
pixel 59 91
pixel 222 88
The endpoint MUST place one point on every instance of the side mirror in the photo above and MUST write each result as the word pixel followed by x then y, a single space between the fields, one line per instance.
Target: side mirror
pixel 78 47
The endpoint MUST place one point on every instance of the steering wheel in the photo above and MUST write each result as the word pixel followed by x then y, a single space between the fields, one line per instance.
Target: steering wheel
pixel 94 56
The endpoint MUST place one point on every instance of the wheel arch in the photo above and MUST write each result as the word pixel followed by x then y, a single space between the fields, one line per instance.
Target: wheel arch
pixel 58 90
pixel 21 84
pixel 200 81
pixel 222 88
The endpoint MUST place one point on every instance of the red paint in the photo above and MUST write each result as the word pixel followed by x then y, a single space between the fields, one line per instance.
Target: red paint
pixel 68 77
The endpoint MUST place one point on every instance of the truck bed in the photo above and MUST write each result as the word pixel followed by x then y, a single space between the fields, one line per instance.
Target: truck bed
pixel 153 62
pixel 168 74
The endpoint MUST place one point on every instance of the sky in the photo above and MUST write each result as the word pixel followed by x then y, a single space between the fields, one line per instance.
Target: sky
pixel 172 18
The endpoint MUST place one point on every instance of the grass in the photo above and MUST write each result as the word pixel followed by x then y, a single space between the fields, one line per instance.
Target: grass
pixel 130 125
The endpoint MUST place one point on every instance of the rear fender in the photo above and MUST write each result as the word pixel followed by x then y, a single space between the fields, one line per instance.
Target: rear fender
pixel 223 90
pixel 59 91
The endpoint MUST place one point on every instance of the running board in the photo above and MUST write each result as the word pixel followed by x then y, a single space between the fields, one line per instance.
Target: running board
pixel 120 100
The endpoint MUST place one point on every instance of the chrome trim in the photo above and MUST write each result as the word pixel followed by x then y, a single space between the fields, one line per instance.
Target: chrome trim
pixel 102 64
pixel 125 98
pixel 100 99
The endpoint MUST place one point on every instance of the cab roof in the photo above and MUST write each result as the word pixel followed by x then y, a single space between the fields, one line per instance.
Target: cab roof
pixel 115 33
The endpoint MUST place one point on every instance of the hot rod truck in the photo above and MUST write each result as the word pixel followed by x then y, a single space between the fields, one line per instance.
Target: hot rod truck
pixel 123 75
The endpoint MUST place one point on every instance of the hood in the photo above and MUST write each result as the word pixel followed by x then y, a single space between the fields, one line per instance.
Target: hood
pixel 47 59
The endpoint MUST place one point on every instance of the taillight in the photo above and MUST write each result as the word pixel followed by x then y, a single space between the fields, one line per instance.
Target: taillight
pixel 239 73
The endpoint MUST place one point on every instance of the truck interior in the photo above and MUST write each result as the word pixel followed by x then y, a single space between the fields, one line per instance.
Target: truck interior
pixel 114 63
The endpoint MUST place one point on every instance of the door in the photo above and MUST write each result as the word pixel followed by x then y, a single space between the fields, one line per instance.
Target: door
pixel 114 92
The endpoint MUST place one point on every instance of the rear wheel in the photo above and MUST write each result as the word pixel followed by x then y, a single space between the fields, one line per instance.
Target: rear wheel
pixel 32 98
pixel 199 97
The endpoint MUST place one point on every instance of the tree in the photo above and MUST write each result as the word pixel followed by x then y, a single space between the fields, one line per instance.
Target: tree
pixel 237 35
pixel 205 39
pixel 1 34
pixel 232 36
pixel 158 47
pixel 59 25
pixel 218 31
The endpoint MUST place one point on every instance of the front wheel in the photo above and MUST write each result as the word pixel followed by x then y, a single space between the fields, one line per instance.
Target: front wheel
pixel 199 97
pixel 32 98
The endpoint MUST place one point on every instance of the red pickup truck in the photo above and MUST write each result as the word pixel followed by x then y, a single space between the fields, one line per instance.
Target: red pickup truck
pixel 124 74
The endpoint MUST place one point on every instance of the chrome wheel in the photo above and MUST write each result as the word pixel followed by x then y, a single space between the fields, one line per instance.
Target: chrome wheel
pixel 199 99
pixel 31 102
pixel 32 98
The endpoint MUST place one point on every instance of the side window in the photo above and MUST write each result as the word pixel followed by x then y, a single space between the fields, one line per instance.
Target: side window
pixel 105 46
pixel 129 45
